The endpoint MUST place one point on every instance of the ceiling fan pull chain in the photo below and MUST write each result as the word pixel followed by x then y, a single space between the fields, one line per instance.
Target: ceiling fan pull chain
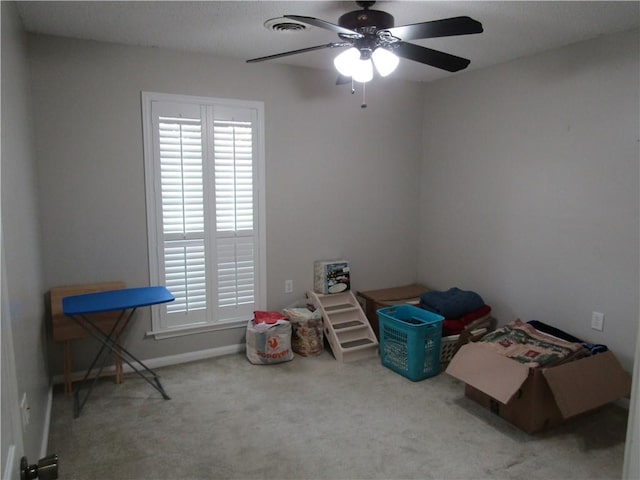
pixel 364 96
pixel 353 88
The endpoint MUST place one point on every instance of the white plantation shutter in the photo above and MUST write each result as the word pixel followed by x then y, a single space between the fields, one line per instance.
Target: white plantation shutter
pixel 185 275
pixel 181 175
pixel 182 193
pixel 233 160
pixel 203 159
pixel 236 276
pixel 233 151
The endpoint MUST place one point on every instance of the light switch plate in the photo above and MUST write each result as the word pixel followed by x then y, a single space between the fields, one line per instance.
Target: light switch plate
pixel 597 321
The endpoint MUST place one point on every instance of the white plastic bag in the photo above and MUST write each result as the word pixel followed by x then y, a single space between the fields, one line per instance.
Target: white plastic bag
pixel 269 343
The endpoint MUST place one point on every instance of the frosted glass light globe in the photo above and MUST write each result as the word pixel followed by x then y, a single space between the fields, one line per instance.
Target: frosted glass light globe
pixel 363 71
pixel 345 62
pixel 385 61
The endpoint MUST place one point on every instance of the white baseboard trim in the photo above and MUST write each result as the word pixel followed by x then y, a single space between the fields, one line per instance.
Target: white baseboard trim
pixel 7 472
pixel 173 359
pixel 190 356
pixel 44 445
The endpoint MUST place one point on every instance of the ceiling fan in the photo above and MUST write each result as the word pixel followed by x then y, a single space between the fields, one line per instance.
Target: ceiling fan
pixel 374 40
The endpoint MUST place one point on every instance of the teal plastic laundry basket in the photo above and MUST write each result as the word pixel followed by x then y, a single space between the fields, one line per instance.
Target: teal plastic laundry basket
pixel 410 341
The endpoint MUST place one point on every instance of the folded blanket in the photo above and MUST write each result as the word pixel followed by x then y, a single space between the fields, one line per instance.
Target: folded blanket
pixel 453 303
pixel 556 332
pixel 523 343
pixel 453 326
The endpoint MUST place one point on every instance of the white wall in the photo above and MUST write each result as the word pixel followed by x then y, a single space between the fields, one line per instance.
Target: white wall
pixel 529 188
pixel 21 236
pixel 340 179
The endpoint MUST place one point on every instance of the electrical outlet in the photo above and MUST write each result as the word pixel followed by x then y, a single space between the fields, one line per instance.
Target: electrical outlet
pixel 25 409
pixel 288 286
pixel 597 321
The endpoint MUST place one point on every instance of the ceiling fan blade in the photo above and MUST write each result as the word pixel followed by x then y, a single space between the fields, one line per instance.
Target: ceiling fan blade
pixel 316 22
pixel 438 28
pixel 302 50
pixel 437 59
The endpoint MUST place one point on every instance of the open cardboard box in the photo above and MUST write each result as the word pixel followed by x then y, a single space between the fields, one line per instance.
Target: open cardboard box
pixel 535 399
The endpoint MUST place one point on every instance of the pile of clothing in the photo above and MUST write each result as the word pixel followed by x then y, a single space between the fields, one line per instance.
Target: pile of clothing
pixel 458 307
pixel 537 344
pixel 556 332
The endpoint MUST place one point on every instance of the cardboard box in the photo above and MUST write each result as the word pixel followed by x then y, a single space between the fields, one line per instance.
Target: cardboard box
pixel 331 276
pixel 536 399
pixel 372 300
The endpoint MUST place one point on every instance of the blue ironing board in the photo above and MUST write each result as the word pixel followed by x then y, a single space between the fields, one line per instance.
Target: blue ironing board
pixel 126 300
pixel 114 300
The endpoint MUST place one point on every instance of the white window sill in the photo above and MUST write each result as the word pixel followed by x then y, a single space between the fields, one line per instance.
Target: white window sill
pixel 182 331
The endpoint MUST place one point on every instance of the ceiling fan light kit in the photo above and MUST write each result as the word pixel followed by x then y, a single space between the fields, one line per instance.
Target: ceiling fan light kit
pixel 345 62
pixel 354 63
pixel 385 61
pixel 373 39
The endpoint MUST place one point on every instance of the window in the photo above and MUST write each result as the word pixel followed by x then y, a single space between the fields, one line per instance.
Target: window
pixel 204 174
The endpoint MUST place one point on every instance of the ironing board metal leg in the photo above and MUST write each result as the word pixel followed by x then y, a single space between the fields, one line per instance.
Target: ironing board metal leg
pixel 109 341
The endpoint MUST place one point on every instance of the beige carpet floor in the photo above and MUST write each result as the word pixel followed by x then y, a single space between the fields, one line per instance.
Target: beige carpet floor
pixel 315 418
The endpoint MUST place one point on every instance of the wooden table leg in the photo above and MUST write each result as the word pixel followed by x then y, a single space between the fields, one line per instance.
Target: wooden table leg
pixel 66 360
pixel 117 361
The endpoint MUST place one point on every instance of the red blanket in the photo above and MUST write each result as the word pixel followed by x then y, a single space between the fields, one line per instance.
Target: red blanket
pixel 453 326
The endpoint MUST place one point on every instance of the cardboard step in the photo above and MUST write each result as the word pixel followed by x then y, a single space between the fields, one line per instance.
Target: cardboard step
pixel 357 343
pixel 359 353
pixel 346 327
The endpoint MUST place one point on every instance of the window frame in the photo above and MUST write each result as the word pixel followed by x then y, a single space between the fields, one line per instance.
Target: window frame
pixel 154 209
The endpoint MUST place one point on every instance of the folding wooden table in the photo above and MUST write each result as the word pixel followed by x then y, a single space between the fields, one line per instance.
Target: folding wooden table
pixel 65 330
pixel 126 301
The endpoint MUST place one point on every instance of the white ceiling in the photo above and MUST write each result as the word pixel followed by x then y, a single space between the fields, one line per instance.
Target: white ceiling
pixel 235 28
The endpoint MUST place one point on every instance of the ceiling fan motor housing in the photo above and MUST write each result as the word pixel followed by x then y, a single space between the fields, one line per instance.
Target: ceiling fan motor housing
pixel 366 21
